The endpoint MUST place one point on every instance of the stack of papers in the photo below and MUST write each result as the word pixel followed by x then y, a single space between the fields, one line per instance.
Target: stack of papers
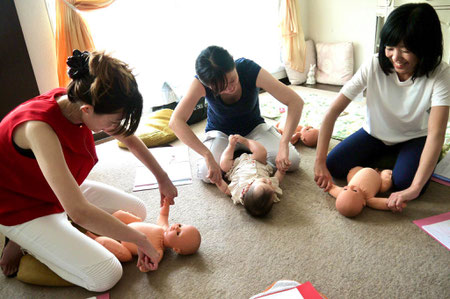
pixel 174 160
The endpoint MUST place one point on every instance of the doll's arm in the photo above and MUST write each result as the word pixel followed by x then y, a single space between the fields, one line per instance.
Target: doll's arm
pixel 335 190
pixel 380 203
pixel 223 186
pixel 163 218
pixel 279 175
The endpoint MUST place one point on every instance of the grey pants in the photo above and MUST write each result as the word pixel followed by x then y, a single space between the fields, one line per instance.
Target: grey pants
pixel 268 136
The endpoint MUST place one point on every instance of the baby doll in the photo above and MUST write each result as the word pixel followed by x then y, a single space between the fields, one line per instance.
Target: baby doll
pixel 183 239
pixel 250 178
pixel 308 135
pixel 363 185
pixel 295 137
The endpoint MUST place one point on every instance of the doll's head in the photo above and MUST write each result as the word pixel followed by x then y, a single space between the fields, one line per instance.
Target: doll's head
pixel 309 136
pixel 350 201
pixel 258 199
pixel 183 239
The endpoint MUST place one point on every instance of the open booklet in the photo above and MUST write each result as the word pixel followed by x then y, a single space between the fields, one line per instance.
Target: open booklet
pixel 438 227
pixel 174 160
pixel 442 172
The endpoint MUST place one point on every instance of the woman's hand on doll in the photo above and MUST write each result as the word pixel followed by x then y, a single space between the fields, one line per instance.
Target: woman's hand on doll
pixel 148 258
pixel 214 171
pixel 167 191
pixel 397 200
pixel 322 176
pixel 282 160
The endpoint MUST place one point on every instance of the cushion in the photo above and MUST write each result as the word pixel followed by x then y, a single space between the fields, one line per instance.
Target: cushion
pixel 172 99
pixel 34 272
pixel 334 63
pixel 296 77
pixel 154 130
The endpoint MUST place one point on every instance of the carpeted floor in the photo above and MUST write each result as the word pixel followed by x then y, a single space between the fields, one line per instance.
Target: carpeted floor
pixel 375 255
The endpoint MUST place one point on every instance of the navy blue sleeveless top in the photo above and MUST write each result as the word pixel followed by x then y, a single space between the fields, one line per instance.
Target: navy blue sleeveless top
pixel 242 116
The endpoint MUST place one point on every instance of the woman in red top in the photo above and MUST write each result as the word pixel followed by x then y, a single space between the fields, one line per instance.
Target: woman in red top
pixel 47 150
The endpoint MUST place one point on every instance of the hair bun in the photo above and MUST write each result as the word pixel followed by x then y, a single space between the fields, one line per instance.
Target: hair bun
pixel 78 64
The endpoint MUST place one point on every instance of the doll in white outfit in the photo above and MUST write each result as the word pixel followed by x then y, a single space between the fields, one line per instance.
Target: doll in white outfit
pixel 251 180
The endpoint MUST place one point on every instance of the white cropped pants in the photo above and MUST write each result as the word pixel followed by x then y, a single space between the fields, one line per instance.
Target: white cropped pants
pixel 69 253
pixel 268 136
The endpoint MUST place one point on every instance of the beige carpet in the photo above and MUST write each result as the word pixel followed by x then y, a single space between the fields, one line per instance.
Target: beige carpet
pixel 376 255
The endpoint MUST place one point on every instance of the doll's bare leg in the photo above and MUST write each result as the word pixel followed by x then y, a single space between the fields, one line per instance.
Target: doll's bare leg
pixel 226 159
pixel 259 153
pixel 352 172
pixel 386 180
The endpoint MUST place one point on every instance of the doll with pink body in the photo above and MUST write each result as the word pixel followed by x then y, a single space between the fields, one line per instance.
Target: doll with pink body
pixel 307 135
pixel 363 185
pixel 181 238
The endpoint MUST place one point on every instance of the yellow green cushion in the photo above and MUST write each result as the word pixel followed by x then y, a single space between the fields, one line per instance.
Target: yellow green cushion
pixel 154 130
pixel 34 272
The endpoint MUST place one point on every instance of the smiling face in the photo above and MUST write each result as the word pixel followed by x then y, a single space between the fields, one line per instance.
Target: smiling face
pixel 350 201
pixel 183 239
pixel 403 60
pixel 233 83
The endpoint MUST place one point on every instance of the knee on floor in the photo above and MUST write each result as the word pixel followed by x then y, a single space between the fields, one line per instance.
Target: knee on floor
pixel 104 275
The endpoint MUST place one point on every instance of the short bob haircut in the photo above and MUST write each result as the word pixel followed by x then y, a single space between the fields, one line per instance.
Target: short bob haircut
pixel 110 87
pixel 212 66
pixel 418 26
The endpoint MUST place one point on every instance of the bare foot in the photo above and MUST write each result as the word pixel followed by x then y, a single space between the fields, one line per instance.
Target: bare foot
pixel 10 260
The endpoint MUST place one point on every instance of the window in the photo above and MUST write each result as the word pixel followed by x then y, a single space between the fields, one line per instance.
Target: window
pixel 160 40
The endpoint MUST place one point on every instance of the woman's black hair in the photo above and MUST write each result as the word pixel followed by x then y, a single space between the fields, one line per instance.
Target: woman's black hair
pixel 212 66
pixel 108 85
pixel 418 26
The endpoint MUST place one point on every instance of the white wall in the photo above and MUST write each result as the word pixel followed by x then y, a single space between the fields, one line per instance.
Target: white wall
pixel 40 43
pixel 342 20
pixel 322 21
pixel 355 21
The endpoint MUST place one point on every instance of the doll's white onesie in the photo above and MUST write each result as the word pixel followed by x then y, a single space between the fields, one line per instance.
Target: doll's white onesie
pixel 244 171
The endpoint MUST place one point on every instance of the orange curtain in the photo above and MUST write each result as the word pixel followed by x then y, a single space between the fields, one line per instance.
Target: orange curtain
pixel 293 39
pixel 72 31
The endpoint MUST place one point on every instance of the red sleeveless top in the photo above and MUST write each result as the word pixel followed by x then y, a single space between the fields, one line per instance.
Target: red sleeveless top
pixel 24 192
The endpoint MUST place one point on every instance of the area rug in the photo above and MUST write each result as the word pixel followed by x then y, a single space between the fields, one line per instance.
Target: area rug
pixel 316 105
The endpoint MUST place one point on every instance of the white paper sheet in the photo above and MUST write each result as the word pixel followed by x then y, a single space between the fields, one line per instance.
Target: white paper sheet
pixel 174 160
pixel 440 231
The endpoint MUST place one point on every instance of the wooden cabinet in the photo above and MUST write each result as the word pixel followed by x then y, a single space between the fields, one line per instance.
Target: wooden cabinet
pixel 17 80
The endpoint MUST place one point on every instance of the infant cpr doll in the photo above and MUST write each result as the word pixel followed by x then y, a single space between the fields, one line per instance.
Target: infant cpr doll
pixel 183 239
pixel 363 185
pixel 308 135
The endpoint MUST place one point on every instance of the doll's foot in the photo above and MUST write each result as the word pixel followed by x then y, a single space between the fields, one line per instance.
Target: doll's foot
pixel 233 140
pixel 11 255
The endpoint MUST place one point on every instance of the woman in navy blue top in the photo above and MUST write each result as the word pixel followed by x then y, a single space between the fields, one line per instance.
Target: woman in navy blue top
pixel 231 89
